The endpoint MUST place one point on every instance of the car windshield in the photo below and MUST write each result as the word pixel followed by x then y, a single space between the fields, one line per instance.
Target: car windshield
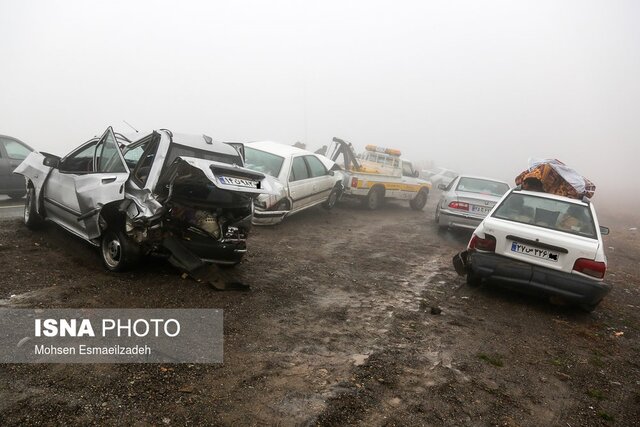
pixel 482 186
pixel 547 213
pixel 262 161
pixel 178 150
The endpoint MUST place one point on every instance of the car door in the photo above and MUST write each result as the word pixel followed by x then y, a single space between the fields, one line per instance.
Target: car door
pixel 84 181
pixel 12 153
pixel 321 181
pixel 300 185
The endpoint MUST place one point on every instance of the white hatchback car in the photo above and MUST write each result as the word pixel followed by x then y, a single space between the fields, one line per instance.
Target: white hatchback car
pixel 540 243
pixel 301 179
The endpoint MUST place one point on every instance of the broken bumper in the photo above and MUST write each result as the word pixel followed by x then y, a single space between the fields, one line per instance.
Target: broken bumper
pixel 536 280
pixel 262 217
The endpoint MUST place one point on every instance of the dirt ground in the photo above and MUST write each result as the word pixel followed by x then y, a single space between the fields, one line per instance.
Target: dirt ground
pixel 337 329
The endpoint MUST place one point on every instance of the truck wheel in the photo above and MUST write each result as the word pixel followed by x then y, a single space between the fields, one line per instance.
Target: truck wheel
pixel 31 217
pixel 332 199
pixel 373 199
pixel 418 202
pixel 118 251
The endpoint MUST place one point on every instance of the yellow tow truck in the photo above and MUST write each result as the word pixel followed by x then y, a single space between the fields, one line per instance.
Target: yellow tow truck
pixel 377 174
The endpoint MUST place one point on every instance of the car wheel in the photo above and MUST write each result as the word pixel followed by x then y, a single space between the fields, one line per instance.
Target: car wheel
pixel 473 280
pixel 31 217
pixel 589 307
pixel 332 199
pixel 418 202
pixel 16 195
pixel 373 199
pixel 118 251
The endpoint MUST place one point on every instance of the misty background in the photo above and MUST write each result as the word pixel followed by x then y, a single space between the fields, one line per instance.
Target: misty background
pixel 475 86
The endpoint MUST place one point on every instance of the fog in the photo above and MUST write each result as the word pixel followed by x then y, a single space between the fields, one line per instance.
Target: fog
pixel 476 86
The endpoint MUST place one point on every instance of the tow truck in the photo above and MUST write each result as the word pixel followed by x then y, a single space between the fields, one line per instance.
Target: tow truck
pixel 377 174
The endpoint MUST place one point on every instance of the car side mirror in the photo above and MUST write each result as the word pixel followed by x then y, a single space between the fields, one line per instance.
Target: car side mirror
pixel 332 173
pixel 604 230
pixel 52 162
pixel 442 187
pixel 416 174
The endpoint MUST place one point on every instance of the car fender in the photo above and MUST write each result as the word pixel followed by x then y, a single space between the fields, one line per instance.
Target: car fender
pixel 34 171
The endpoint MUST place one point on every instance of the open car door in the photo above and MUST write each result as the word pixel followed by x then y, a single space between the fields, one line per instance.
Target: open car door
pixel 84 181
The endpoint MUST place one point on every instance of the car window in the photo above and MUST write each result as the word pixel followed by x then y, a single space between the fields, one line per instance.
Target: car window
pixel 81 160
pixel 108 155
pixel 15 150
pixel 482 186
pixel 139 158
pixel 299 169
pixel 406 169
pixel 315 166
pixel 262 161
pixel 547 213
pixel 450 185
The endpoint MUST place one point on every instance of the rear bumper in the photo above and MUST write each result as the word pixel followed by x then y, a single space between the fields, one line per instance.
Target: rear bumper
pixel 536 280
pixel 459 220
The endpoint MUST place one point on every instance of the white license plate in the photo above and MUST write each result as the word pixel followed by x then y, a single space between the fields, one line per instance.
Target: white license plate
pixel 534 252
pixel 238 181
pixel 480 209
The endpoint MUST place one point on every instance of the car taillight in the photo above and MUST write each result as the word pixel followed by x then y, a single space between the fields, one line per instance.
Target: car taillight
pixel 486 244
pixel 590 267
pixel 459 205
pixel 354 182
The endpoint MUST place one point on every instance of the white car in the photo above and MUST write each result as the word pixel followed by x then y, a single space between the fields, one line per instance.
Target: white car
pixel 540 243
pixel 467 200
pixel 302 179
pixel 442 176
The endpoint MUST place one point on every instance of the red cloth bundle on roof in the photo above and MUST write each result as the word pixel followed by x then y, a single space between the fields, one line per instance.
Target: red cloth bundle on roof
pixel 557 178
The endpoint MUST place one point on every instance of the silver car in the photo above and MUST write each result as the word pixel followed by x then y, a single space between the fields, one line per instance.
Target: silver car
pixel 185 197
pixel 467 200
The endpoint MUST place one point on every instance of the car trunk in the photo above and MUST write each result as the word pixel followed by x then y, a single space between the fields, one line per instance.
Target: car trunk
pixel 540 246
pixel 479 204
pixel 208 208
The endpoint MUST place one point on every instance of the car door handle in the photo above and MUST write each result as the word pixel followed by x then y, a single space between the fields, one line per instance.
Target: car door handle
pixel 109 179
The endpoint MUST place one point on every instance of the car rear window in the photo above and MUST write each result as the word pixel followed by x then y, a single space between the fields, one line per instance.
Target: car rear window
pixel 482 186
pixel 262 161
pixel 542 212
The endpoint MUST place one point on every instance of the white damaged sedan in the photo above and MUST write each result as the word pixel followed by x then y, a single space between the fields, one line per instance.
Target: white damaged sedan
pixel 301 179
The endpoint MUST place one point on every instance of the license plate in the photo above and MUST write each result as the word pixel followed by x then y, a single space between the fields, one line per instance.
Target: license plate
pixel 480 209
pixel 239 181
pixel 534 252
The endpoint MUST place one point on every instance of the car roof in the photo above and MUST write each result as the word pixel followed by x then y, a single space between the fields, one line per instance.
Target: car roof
pixel 484 178
pixel 277 148
pixel 550 196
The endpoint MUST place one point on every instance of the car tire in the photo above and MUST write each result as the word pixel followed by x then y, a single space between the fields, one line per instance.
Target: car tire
pixel 333 198
pixel 473 280
pixel 588 308
pixel 31 218
pixel 16 196
pixel 118 251
pixel 373 199
pixel 418 203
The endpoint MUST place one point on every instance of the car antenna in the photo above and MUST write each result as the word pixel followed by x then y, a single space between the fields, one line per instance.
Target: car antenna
pixel 125 122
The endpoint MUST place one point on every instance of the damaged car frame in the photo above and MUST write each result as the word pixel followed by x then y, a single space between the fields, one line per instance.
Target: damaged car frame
pixel 185 197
